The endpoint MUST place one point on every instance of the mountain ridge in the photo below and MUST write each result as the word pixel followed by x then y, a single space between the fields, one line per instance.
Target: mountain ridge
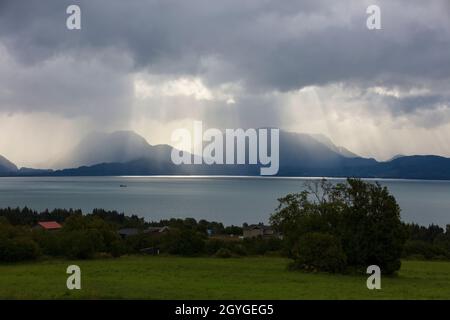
pixel 127 153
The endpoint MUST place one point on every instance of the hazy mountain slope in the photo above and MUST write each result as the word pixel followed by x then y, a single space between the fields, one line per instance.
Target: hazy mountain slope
pixel 7 166
pixel 302 150
pixel 338 149
pixel 116 147
pixel 304 155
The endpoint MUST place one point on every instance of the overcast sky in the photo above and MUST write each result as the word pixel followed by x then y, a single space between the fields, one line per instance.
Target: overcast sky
pixel 155 66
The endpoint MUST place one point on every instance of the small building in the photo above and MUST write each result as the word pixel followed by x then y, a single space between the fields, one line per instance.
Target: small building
pixel 164 229
pixel 48 225
pixel 153 231
pixel 126 232
pixel 259 230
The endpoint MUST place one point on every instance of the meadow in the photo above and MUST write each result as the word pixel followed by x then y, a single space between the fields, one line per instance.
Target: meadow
pixel 168 277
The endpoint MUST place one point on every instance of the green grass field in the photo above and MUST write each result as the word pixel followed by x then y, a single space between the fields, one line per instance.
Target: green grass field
pixel 212 278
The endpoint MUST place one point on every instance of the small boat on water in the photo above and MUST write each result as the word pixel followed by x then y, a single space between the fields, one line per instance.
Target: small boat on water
pixel 123 185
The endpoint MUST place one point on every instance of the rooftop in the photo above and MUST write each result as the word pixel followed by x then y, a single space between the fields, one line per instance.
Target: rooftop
pixel 49 225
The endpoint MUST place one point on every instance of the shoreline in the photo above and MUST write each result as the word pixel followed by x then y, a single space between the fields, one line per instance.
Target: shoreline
pixel 227 177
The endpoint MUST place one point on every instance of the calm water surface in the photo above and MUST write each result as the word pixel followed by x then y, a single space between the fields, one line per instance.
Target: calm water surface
pixel 232 200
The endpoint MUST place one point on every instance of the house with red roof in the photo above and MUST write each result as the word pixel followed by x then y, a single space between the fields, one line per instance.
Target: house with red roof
pixel 48 225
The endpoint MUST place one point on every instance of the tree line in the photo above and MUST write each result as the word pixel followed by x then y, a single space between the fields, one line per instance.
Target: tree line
pixel 87 236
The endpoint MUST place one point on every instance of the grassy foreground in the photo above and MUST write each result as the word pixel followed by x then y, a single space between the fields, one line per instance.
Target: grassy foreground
pixel 211 278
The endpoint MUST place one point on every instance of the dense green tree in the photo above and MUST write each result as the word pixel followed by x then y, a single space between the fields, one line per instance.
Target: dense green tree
pixel 319 251
pixel 364 217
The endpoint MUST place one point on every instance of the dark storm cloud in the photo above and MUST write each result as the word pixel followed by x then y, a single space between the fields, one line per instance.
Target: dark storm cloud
pixel 411 104
pixel 264 45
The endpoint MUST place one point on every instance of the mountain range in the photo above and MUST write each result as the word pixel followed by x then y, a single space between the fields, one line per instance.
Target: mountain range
pixel 127 153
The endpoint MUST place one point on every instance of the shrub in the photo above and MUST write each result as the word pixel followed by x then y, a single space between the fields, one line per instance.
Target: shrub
pixel 140 241
pixel 421 248
pixel 223 253
pixel 260 246
pixel 16 243
pixel 185 242
pixel 443 242
pixel 117 248
pixel 214 245
pixel 238 249
pixel 18 249
pixel 81 244
pixel 49 242
pixel 319 251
